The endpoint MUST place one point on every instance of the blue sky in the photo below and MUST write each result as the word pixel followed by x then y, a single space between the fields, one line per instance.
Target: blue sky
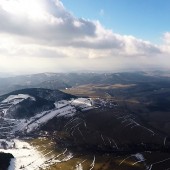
pixel 75 35
pixel 145 19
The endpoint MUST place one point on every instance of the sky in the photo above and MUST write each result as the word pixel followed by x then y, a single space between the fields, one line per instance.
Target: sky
pixel 145 19
pixel 73 35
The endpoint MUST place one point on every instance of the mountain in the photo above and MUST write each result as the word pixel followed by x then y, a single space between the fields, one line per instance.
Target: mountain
pixel 67 80
pixel 3 75
pixel 122 123
pixel 38 109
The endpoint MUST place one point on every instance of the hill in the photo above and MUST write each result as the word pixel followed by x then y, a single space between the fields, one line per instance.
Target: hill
pixel 28 102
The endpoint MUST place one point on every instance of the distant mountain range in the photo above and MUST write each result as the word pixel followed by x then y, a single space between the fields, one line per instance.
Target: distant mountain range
pixel 2 75
pixel 66 80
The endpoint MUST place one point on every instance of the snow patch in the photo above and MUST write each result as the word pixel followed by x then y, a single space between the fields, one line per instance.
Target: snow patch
pixel 139 157
pixel 79 167
pixel 15 99
pixel 61 103
pixel 83 103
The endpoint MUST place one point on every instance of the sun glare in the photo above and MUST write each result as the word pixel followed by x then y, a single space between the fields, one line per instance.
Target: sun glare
pixel 34 9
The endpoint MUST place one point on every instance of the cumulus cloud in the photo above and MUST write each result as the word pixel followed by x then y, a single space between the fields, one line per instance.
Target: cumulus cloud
pixel 54 23
pixel 167 37
pixel 44 28
pixel 166 45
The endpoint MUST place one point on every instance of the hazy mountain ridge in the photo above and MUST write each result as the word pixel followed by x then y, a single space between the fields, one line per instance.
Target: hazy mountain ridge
pixel 67 80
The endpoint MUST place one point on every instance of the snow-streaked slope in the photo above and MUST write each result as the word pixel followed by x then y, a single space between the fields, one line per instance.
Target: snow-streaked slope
pixel 65 108
pixel 44 117
pixel 25 156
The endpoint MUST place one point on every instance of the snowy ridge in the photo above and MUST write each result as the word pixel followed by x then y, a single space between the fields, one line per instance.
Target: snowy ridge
pixel 19 97
pixel 12 100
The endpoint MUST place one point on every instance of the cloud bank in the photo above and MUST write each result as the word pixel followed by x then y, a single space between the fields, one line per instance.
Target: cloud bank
pixel 42 35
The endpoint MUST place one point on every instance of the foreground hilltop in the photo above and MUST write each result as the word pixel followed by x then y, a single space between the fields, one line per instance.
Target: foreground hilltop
pixel 27 102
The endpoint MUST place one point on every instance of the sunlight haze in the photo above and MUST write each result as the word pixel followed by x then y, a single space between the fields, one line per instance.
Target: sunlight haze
pixel 54 36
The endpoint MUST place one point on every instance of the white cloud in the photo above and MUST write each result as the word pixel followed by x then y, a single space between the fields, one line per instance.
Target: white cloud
pixel 43 30
pixel 166 46
pixel 167 37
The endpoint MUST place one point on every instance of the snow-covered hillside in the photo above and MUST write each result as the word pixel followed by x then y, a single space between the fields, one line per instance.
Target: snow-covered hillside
pixel 40 119
pixel 63 108
pixel 66 108
pixel 26 103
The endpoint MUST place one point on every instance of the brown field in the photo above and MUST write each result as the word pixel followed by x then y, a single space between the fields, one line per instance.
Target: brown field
pixel 95 90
